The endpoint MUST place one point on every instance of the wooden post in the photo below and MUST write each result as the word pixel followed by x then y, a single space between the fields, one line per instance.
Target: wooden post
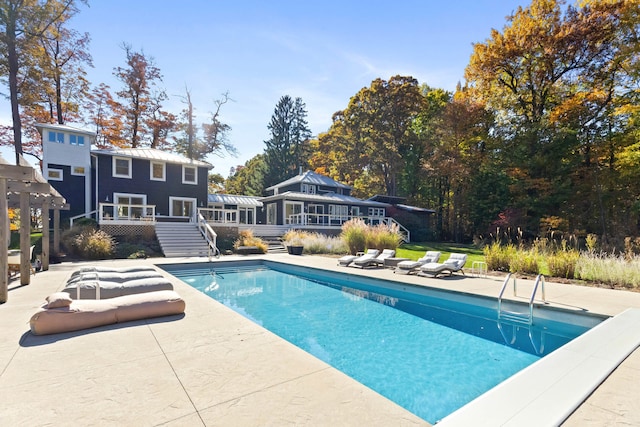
pixel 25 239
pixel 5 236
pixel 56 231
pixel 44 258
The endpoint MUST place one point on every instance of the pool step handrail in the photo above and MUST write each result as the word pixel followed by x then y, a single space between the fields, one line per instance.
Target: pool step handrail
pixel 516 316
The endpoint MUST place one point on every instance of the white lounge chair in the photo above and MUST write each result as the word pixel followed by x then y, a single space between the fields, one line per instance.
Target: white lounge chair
pixel 407 267
pixel 452 265
pixel 374 261
pixel 348 259
pixel 14 259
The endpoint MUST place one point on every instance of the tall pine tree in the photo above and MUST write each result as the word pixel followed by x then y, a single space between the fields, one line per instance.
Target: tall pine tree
pixel 288 147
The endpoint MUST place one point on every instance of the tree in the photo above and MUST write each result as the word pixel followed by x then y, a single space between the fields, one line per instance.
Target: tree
pixel 101 108
pixel 248 179
pixel 371 137
pixel 551 76
pixel 140 78
pixel 215 140
pixel 288 147
pixel 22 24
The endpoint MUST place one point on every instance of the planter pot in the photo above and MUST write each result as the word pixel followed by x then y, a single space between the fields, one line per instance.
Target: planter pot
pixel 295 250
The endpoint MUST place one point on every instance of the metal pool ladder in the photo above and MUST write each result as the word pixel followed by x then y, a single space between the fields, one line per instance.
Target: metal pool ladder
pixel 516 319
pixel 517 316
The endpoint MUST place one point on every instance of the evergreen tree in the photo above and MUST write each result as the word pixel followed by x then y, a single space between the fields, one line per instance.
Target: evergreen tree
pixel 288 147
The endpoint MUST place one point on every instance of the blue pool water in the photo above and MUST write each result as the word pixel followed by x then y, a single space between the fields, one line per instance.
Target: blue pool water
pixel 428 354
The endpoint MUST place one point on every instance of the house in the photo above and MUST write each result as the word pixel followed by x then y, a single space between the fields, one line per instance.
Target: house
pixel 154 182
pixel 66 165
pixel 121 184
pixel 308 201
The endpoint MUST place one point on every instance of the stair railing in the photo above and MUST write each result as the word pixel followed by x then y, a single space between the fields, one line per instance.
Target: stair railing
pixel 210 236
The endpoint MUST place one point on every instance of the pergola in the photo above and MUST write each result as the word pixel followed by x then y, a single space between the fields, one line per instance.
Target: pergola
pixel 26 188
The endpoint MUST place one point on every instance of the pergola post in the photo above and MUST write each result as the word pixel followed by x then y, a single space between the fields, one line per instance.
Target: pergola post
pixel 56 231
pixel 44 258
pixel 25 239
pixel 5 236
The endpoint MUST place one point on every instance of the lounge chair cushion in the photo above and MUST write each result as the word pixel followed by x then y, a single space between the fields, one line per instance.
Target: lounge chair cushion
pixel 116 289
pixel 59 299
pixel 346 260
pixel 111 276
pixel 83 314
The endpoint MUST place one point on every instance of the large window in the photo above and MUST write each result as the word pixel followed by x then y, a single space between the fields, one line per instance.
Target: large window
pixel 181 206
pixel 338 212
pixel 129 205
pixel 292 211
pixel 121 167
pixel 158 171
pixel 56 137
pixel 189 174
pixel 76 140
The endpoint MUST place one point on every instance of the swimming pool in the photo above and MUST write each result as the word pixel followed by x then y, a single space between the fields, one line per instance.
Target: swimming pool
pixel 429 351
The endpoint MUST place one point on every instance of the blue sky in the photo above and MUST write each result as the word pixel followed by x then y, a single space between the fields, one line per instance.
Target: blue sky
pixel 321 51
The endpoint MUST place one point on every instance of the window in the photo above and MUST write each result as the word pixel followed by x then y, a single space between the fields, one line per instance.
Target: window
pixel 308 188
pixel 130 205
pixel 54 174
pixel 77 170
pixel 158 171
pixel 189 175
pixel 376 212
pixel 182 206
pixel 338 212
pixel 355 211
pixel 121 167
pixel 271 214
pixel 56 137
pixel 76 140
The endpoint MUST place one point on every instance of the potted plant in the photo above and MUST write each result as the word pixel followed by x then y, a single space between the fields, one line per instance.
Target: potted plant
pixel 294 244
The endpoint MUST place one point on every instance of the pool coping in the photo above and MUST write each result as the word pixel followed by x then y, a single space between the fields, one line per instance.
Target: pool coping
pixel 548 391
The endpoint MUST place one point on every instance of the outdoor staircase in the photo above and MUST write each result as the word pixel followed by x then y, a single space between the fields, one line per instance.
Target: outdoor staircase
pixel 181 239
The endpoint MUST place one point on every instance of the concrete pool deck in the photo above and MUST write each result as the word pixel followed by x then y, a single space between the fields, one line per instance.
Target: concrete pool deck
pixel 213 367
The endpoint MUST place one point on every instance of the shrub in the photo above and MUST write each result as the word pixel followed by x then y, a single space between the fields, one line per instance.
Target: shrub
pixel 382 237
pixel 315 243
pixel 68 237
pixel 95 244
pixel 563 263
pixel 354 234
pixel 498 257
pixel 610 270
pixel 246 238
pixel 525 261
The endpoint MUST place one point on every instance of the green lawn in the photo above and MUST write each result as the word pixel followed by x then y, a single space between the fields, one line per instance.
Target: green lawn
pixel 417 250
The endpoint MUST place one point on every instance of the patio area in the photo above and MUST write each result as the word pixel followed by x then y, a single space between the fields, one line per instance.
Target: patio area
pixel 211 366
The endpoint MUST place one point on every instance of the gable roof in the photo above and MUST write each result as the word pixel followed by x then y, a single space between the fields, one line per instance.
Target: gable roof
pixel 310 177
pixel 151 154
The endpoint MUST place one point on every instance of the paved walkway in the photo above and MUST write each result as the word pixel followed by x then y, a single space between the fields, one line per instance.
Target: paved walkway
pixel 213 367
